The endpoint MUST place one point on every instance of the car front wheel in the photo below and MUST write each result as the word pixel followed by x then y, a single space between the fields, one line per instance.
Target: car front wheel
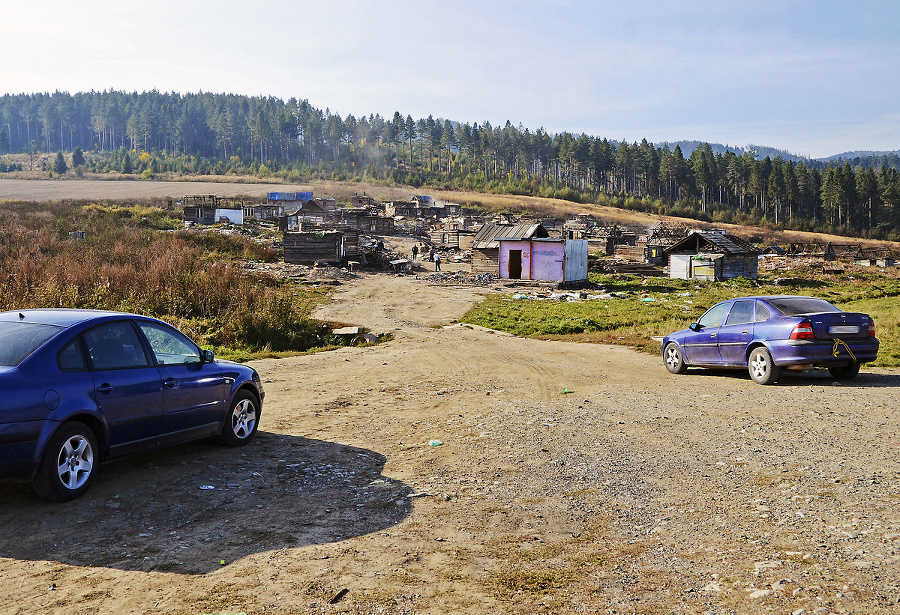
pixel 674 359
pixel 241 421
pixel 761 366
pixel 67 468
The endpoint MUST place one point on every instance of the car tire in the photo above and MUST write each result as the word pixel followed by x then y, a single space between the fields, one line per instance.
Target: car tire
pixel 68 466
pixel 761 366
pixel 846 372
pixel 242 420
pixel 673 359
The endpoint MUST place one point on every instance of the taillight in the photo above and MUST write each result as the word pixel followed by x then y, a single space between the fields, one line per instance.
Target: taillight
pixel 871 328
pixel 803 331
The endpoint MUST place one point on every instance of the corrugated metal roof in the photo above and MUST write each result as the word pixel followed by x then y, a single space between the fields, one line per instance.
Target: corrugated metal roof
pixel 488 235
pixel 719 242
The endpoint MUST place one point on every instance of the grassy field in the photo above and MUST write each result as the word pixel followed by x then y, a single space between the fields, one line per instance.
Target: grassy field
pixel 134 259
pixel 634 310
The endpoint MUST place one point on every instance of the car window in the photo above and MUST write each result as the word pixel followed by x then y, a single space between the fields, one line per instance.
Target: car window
pixel 713 316
pixel 70 358
pixel 762 312
pixel 115 345
pixel 741 313
pixel 20 339
pixel 169 346
pixel 797 306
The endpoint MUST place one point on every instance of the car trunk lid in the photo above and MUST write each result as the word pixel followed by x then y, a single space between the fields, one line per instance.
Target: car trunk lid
pixel 839 325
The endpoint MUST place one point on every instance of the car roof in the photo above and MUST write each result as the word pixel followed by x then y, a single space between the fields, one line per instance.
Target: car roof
pixel 770 297
pixel 60 317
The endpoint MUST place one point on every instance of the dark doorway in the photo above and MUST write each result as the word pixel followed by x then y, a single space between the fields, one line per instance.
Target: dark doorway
pixel 515 264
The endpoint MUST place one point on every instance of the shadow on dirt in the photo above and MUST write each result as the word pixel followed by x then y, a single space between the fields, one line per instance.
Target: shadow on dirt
pixel 189 508
pixel 813 377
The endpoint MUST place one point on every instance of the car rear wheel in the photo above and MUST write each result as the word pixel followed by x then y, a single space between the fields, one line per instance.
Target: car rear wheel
pixel 761 366
pixel 242 420
pixel 67 468
pixel 847 372
pixel 673 359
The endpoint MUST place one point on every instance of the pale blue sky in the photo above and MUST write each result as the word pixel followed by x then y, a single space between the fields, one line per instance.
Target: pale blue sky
pixel 812 77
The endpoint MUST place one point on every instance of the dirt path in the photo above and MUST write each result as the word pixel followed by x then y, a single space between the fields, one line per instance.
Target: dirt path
pixel 448 471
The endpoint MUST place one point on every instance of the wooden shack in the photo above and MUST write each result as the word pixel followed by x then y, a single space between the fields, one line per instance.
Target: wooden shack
pixel 308 248
pixel 712 255
pixel 486 244
pixel 551 260
pixel 445 238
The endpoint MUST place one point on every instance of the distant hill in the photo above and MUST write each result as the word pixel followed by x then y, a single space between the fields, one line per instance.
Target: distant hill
pixel 865 159
pixel 761 151
pixel 859 154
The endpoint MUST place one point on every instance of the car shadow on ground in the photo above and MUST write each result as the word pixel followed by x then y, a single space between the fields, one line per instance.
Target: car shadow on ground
pixel 191 509
pixel 812 377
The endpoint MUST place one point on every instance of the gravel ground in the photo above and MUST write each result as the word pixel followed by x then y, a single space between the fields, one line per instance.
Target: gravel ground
pixel 460 470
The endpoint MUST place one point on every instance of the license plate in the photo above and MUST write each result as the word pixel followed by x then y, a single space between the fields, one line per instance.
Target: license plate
pixel 843 329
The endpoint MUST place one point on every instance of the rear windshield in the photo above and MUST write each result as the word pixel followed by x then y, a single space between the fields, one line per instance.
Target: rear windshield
pixel 797 306
pixel 20 339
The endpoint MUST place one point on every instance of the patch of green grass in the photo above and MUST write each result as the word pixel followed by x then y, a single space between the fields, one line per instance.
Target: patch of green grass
pixel 534 581
pixel 639 309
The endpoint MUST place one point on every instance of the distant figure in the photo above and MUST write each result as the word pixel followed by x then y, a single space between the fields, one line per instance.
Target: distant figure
pixel 415 251
pixel 437 262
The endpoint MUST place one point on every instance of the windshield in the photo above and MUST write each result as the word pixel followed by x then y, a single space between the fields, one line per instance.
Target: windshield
pixel 796 306
pixel 20 339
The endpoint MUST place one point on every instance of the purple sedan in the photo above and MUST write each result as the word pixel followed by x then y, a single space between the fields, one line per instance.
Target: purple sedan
pixel 768 334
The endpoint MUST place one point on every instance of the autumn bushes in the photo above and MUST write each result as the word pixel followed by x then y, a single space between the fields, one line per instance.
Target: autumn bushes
pixel 186 277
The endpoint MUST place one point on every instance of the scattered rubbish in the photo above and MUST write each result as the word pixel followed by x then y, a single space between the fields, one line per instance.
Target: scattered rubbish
pixel 337 597
pixel 648 299
pixel 207 487
pixel 435 443
pixel 221 562
pixel 566 390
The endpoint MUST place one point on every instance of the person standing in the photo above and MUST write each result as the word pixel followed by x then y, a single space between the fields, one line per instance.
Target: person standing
pixel 415 251
pixel 437 261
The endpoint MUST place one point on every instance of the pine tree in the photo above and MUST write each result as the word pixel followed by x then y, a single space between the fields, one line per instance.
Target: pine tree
pixel 60 166
pixel 78 158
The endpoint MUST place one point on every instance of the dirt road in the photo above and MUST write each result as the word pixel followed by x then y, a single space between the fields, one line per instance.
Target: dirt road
pixel 458 470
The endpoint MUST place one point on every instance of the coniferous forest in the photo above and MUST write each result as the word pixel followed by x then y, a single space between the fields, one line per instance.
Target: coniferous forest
pixel 153 134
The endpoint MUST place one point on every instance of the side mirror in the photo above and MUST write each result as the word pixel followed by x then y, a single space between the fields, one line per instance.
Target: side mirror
pixel 695 326
pixel 208 356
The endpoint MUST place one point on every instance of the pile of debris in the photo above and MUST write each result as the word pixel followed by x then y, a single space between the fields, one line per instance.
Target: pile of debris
pixel 462 277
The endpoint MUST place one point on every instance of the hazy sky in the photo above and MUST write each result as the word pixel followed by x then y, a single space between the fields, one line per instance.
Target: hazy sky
pixel 812 77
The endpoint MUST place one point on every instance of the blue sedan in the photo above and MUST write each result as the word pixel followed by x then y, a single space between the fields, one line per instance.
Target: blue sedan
pixel 80 387
pixel 768 334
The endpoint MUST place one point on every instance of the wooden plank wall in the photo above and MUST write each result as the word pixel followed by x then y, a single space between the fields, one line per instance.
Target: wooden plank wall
pixel 308 248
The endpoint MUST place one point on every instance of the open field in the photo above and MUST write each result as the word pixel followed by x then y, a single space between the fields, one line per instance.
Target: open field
pixel 37 190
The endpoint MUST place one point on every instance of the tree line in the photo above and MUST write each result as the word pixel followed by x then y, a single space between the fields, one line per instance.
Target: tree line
pixel 205 133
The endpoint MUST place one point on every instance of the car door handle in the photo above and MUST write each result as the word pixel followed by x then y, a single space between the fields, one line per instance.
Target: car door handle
pixel 170 383
pixel 745 332
pixel 104 388
pixel 712 334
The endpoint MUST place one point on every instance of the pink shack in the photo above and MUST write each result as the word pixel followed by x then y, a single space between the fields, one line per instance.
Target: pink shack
pixel 551 260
